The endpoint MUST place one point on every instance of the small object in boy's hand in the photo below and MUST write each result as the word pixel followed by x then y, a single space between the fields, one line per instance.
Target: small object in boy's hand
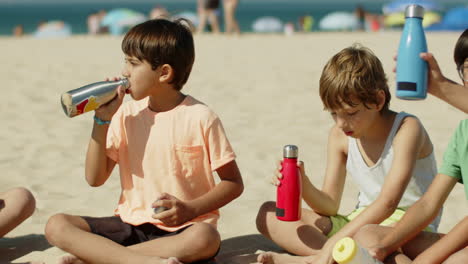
pixel 159 209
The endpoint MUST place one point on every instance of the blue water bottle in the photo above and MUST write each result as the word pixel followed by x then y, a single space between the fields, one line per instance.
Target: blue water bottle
pixel 411 70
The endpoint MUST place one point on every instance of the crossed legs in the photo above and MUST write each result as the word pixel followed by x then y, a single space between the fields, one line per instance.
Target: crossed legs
pixel 16 205
pixel 73 235
pixel 303 238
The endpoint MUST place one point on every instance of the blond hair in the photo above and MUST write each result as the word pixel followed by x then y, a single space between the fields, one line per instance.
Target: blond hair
pixel 353 76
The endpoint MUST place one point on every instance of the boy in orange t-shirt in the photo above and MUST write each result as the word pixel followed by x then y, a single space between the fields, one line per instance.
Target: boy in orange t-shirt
pixel 167 145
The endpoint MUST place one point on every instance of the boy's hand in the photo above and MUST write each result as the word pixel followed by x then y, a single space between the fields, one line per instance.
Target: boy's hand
pixel 435 76
pixel 278 175
pixel 377 252
pixel 300 165
pixel 275 180
pixel 177 213
pixel 106 111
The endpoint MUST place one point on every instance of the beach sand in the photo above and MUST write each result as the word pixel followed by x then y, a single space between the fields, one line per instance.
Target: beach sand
pixel 263 87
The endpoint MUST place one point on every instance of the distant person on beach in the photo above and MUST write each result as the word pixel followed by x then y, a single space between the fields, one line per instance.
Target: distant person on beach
pixel 360 14
pixel 306 23
pixel 230 21
pixel 388 154
pixel 168 146
pixel 159 12
pixel 16 205
pixel 94 22
pixel 407 235
pixel 207 11
pixel 367 21
pixel 18 30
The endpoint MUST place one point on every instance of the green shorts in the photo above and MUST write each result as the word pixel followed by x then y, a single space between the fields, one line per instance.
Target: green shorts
pixel 339 221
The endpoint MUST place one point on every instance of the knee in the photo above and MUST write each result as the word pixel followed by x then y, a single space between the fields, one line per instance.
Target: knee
pixel 55 227
pixel 207 239
pixel 458 257
pixel 25 201
pixel 367 235
pixel 266 210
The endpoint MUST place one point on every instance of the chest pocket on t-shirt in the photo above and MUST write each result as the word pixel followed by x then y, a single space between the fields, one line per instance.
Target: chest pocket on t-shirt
pixel 188 160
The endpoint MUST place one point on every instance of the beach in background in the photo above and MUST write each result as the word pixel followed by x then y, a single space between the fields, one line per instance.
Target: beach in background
pixel 75 13
pixel 263 87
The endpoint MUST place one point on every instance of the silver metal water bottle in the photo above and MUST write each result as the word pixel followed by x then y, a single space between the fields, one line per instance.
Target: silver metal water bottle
pixel 90 97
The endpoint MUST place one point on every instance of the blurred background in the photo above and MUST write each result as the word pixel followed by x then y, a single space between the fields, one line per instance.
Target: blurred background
pixel 68 17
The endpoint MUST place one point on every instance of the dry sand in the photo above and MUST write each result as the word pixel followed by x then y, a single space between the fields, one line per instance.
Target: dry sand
pixel 264 88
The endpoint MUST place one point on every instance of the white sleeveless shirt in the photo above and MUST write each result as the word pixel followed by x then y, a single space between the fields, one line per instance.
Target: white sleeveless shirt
pixel 371 179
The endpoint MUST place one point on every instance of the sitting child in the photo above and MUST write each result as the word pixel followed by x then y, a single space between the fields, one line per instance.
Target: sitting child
pixel 167 145
pixel 388 154
pixel 452 248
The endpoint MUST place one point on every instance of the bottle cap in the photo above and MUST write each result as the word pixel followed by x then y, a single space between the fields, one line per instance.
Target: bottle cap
pixel 290 151
pixel 414 11
pixel 344 250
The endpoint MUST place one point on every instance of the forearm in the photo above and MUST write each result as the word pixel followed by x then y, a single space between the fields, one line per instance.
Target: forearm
pixel 223 193
pixel 418 217
pixel 374 214
pixel 327 206
pixel 96 158
pixel 455 240
pixel 452 93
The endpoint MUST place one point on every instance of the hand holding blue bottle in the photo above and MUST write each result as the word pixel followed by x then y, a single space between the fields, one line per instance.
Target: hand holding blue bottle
pixel 411 68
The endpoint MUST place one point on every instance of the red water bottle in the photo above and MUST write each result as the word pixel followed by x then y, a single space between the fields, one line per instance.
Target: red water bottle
pixel 288 195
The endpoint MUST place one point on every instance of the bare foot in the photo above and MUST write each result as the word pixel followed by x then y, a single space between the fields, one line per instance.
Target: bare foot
pixel 158 260
pixel 70 259
pixel 173 260
pixel 277 258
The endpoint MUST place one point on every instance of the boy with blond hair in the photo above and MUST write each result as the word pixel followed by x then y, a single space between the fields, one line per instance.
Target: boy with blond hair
pixel 167 145
pixel 397 243
pixel 388 154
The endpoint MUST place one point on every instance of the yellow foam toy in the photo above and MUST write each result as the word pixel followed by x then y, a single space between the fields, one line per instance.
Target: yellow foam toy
pixel 345 250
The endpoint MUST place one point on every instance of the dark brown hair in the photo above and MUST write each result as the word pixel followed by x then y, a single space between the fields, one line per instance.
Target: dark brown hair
pixel 354 75
pixel 160 41
pixel 460 52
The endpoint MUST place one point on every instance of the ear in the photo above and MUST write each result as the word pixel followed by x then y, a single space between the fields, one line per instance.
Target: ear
pixel 167 73
pixel 380 100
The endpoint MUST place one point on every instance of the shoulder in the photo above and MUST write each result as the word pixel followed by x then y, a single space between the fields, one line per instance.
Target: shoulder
pixel 462 129
pixel 337 139
pixel 199 111
pixel 463 126
pixel 410 124
pixel 412 133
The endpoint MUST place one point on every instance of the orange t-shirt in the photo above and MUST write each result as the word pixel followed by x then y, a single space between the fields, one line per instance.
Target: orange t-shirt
pixel 174 152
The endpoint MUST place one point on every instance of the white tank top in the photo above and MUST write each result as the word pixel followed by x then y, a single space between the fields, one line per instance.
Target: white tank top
pixel 371 179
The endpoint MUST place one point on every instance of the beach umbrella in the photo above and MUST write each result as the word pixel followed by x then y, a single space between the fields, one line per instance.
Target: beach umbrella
pixel 400 5
pixel 190 16
pixel 53 29
pixel 120 19
pixel 455 19
pixel 339 21
pixel 267 24
pixel 398 19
